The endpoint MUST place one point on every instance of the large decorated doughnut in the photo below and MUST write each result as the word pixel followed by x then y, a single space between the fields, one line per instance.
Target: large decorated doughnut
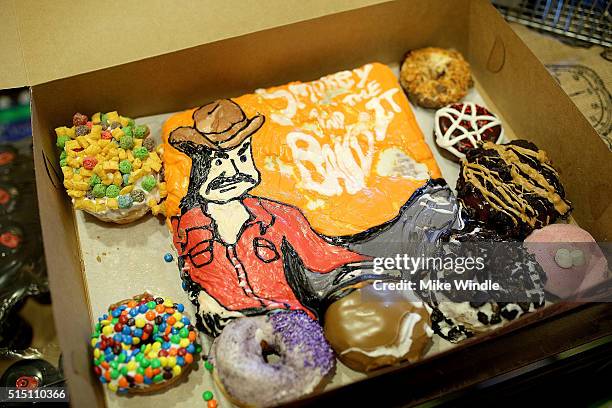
pixel 244 369
pixel 111 167
pixel 143 344
pixel 254 182
pixel 358 120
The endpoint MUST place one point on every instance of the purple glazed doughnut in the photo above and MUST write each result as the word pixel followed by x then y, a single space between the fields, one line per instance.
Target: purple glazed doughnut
pixel 244 367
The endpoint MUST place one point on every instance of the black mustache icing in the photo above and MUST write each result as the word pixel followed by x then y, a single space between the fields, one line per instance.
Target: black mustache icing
pixel 221 182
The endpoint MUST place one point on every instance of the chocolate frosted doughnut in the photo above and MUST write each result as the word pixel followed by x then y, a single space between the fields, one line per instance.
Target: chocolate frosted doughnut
pixel 370 329
pixel 512 188
pixel 247 375
pixel 435 77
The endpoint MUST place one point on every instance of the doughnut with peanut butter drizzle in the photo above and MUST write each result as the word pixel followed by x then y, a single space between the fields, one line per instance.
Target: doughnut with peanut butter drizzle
pixel 370 328
pixel 512 187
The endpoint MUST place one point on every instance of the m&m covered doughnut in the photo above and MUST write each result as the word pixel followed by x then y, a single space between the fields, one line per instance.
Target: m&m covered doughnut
pixel 112 167
pixel 143 344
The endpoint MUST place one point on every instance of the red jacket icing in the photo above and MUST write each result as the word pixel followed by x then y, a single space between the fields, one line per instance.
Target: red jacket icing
pixel 251 274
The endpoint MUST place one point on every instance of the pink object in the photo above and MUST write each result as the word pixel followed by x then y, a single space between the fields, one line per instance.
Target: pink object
pixel 579 265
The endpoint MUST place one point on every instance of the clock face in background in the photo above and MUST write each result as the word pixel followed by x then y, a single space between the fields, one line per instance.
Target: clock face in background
pixel 589 93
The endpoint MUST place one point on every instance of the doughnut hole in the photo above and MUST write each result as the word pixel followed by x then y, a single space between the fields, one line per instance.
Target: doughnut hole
pixel 269 353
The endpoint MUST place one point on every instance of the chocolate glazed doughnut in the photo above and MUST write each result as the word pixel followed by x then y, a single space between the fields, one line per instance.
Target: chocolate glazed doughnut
pixel 370 329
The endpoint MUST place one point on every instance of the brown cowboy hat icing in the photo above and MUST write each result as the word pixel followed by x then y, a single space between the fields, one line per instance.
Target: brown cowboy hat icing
pixel 219 125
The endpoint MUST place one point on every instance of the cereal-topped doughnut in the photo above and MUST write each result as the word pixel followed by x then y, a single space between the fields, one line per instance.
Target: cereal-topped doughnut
pixel 435 77
pixel 143 344
pixel 111 167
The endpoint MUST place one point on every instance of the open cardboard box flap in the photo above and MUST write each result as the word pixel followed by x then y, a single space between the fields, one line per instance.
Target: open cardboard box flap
pixel 528 98
pixel 44 41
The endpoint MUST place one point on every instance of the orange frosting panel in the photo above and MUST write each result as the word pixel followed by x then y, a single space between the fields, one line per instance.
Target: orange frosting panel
pixel 345 149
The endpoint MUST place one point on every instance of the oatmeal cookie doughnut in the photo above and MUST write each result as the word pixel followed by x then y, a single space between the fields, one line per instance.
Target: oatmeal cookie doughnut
pixel 143 344
pixel 435 77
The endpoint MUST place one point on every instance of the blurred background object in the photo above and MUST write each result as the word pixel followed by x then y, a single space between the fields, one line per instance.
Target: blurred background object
pixel 28 343
pixel 578 21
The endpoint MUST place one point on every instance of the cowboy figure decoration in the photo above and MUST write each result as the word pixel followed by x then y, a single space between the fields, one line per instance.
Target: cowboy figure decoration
pixel 241 255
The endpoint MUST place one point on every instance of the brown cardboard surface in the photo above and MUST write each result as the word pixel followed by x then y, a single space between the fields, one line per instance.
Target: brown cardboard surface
pixel 271 57
pixel 62 38
pixel 12 70
pixel 523 93
pixel 587 79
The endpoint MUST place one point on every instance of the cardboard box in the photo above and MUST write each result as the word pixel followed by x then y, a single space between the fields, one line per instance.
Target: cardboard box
pixel 162 60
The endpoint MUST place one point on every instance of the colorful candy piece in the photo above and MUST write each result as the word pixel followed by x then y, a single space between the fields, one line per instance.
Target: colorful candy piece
pixel 61 141
pixel 79 119
pixel 148 183
pixel 126 142
pixel 125 201
pixel 99 190
pixel 125 166
pixel 141 131
pixel 90 162
pixel 112 191
pixel 141 153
